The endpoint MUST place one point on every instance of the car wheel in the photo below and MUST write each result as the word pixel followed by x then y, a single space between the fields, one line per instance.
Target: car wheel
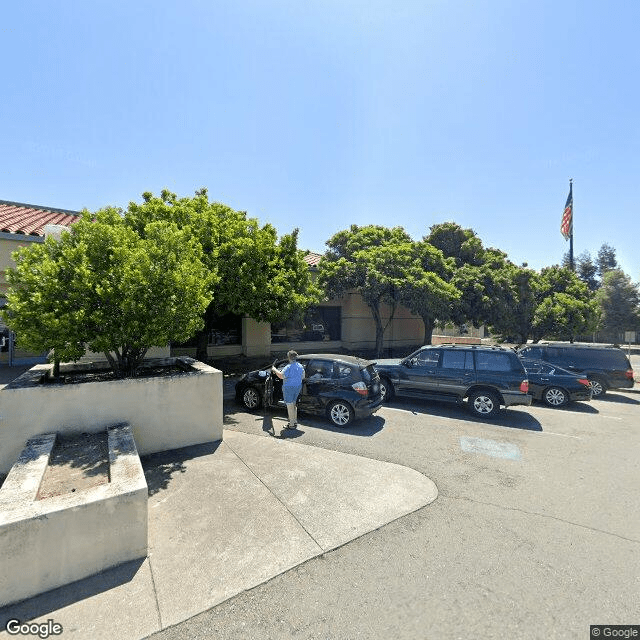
pixel 484 404
pixel 597 388
pixel 387 390
pixel 251 398
pixel 555 397
pixel 340 413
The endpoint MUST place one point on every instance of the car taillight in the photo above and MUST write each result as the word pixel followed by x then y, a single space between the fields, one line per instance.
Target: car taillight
pixel 629 374
pixel 584 381
pixel 524 386
pixel 361 388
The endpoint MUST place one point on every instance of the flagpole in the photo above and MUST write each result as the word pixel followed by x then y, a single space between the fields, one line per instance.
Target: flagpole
pixel 571 264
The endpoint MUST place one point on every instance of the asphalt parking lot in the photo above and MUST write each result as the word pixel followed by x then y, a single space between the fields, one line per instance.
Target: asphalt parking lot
pixel 535 533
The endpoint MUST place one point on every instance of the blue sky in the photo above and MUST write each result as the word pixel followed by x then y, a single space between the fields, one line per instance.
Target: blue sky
pixel 321 114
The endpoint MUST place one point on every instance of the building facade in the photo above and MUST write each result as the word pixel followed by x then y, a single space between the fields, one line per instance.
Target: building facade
pixel 341 324
pixel 20 225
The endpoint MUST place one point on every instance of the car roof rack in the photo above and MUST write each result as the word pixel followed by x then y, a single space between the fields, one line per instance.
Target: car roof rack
pixel 494 347
pixel 590 345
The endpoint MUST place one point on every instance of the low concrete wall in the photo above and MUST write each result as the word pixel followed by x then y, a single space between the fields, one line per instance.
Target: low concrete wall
pixel 455 340
pixel 166 412
pixel 47 543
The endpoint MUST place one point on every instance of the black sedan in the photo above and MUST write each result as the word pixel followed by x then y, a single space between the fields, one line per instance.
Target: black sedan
pixel 343 388
pixel 555 386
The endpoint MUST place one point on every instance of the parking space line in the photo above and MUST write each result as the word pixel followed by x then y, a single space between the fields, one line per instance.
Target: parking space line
pixel 564 435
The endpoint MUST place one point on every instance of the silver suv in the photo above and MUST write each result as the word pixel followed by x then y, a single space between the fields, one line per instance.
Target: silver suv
pixel 483 376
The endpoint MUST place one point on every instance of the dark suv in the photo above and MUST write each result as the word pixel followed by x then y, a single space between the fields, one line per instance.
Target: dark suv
pixel 486 376
pixel 605 367
pixel 342 388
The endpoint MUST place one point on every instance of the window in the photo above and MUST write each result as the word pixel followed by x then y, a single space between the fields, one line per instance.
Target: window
pixel 532 352
pixel 341 370
pixel 493 362
pixel 317 324
pixel 317 369
pixel 225 329
pixel 457 360
pixel 554 353
pixel 428 358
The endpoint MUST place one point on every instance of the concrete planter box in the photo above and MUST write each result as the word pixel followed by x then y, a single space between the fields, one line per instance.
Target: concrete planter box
pixel 164 412
pixel 46 543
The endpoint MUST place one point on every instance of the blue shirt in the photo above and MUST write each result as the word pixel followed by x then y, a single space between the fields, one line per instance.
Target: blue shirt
pixel 293 374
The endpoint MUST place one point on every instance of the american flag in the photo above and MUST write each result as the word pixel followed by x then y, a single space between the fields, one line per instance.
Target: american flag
pixel 566 226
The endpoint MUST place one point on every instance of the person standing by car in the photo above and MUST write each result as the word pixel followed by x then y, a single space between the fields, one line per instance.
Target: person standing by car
pixel 292 376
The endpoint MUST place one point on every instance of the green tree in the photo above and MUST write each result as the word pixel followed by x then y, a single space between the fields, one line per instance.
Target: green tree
pixel 564 317
pixel 619 300
pixel 259 274
pixel 463 245
pixel 481 275
pixel 426 289
pixel 373 260
pixel 606 260
pixel 106 287
pixel 517 294
pixel 587 271
pixel 565 307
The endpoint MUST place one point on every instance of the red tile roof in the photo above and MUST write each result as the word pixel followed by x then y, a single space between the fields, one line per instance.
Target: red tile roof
pixel 30 219
pixel 312 259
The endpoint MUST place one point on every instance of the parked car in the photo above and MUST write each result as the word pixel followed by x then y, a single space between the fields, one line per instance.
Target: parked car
pixel 606 367
pixel 485 376
pixel 343 388
pixel 555 386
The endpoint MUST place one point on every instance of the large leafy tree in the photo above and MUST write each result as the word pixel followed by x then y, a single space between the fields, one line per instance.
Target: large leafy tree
pixel 426 289
pixel 554 303
pixel 373 260
pixel 482 275
pixel 259 274
pixel 564 317
pixel 565 307
pixel 512 319
pixel 104 286
pixel 619 299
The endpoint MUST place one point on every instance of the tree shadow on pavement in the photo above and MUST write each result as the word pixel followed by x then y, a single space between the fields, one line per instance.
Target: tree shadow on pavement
pixel 160 467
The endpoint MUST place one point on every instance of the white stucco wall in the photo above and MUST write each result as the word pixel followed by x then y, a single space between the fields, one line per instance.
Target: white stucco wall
pixel 47 543
pixel 165 413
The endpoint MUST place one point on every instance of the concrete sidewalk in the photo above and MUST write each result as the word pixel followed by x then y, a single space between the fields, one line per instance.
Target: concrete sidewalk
pixel 226 517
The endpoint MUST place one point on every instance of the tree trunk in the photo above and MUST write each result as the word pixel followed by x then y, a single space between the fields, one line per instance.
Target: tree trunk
pixel 202 336
pixel 429 324
pixel 202 342
pixel 111 360
pixel 375 312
